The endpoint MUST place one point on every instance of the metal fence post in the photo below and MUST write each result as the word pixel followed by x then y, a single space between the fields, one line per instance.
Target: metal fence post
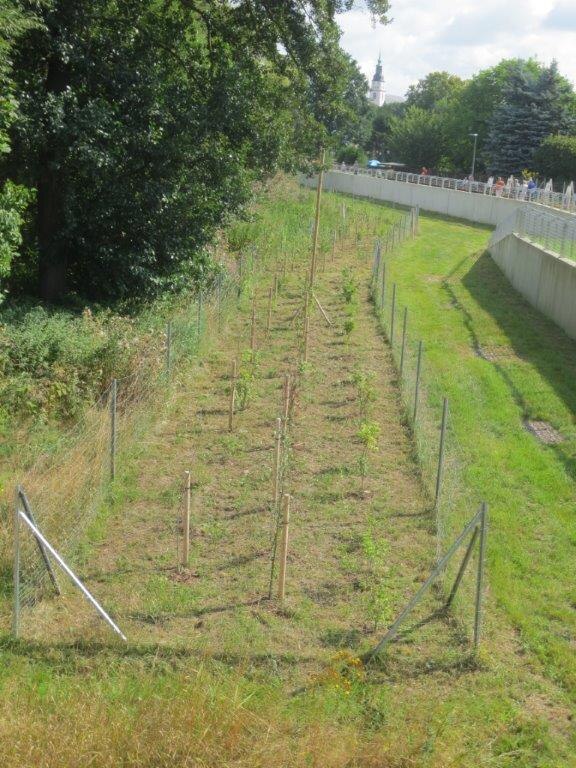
pixel 392 313
pixel 441 453
pixel 403 351
pixel 186 526
pixel 168 348
pixel 563 241
pixel 16 567
pixel 480 576
pixel 113 401
pixel 417 384
pixel 383 289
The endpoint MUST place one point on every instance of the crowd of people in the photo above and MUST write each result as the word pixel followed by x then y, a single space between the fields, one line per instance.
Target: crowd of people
pixel 523 188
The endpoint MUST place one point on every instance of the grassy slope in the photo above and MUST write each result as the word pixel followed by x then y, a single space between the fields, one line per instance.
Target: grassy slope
pixel 205 678
pixel 460 302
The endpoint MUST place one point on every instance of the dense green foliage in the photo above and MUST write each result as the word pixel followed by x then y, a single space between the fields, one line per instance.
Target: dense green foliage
pixel 556 157
pixel 433 89
pixel 13 198
pixel 512 107
pixel 533 107
pixel 142 126
pixel 351 154
pixel 52 362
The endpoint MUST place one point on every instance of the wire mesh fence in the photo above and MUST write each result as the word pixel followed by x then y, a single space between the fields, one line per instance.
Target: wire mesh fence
pixel 67 485
pixel 441 457
pixel 553 231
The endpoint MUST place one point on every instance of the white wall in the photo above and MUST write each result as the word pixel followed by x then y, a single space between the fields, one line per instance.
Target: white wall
pixel 481 209
pixel 545 279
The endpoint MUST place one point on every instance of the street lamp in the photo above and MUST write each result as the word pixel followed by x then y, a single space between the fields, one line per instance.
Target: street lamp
pixel 474 154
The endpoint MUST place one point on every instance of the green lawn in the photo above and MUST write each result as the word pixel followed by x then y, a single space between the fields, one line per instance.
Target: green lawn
pixel 213 677
pixel 465 311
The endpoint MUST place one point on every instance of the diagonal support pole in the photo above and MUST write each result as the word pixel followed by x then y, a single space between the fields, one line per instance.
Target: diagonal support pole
pixel 440 566
pixel 321 308
pixel 40 545
pixel 462 569
pixel 71 575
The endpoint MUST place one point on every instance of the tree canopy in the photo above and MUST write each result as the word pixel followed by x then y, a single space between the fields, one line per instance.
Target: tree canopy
pixel 512 107
pixel 143 124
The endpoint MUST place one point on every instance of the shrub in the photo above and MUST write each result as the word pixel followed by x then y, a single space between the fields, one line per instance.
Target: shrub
pixel 351 154
pixel 52 362
pixel 556 157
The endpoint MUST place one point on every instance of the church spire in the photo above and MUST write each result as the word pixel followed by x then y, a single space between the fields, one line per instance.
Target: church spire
pixel 377 93
pixel 378 74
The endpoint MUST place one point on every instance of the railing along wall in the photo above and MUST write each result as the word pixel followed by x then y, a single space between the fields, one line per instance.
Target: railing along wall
pixel 562 200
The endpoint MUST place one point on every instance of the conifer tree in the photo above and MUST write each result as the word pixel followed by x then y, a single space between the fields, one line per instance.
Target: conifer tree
pixel 533 106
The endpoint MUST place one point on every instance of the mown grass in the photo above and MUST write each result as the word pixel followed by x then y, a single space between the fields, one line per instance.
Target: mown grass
pixel 210 678
pixel 463 308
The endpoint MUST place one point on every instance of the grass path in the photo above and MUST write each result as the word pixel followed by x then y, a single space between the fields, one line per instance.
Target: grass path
pixel 269 684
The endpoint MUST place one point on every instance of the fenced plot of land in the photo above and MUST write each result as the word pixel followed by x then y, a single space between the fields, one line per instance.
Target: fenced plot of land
pixel 285 677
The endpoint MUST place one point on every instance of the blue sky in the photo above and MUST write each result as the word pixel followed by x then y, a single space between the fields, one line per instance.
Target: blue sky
pixel 461 36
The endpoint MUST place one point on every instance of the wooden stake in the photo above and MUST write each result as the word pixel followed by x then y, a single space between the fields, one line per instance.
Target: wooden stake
pixel 275 286
pixel 333 245
pixel 321 308
pixel 284 547
pixel 277 459
pixel 269 316
pixel 253 328
pixel 186 527
pixel 232 395
pixel 286 405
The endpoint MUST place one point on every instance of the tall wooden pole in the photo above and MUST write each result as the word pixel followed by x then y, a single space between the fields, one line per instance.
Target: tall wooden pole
pixel 286 408
pixel 317 218
pixel 269 315
pixel 232 395
pixel 253 328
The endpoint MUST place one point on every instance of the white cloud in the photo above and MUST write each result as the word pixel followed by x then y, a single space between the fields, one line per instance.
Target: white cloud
pixel 461 38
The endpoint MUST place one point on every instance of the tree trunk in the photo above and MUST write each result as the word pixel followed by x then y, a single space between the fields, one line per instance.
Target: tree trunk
pixel 53 259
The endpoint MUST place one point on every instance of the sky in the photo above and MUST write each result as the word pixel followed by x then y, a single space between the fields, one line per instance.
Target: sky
pixel 461 37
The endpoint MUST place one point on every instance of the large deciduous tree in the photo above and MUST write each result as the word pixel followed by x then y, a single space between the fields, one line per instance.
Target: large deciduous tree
pixel 13 198
pixel 143 124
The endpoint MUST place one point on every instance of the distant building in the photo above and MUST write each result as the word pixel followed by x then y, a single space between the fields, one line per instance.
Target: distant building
pixel 378 93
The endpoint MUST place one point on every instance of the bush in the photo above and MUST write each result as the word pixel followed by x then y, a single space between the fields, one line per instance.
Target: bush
pixel 556 158
pixel 51 363
pixel 352 154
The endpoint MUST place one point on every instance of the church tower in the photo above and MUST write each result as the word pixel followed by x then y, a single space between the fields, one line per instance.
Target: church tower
pixel 377 93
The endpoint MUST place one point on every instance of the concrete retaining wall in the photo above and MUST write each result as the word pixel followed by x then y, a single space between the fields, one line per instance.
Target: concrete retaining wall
pixel 546 280
pixel 481 209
